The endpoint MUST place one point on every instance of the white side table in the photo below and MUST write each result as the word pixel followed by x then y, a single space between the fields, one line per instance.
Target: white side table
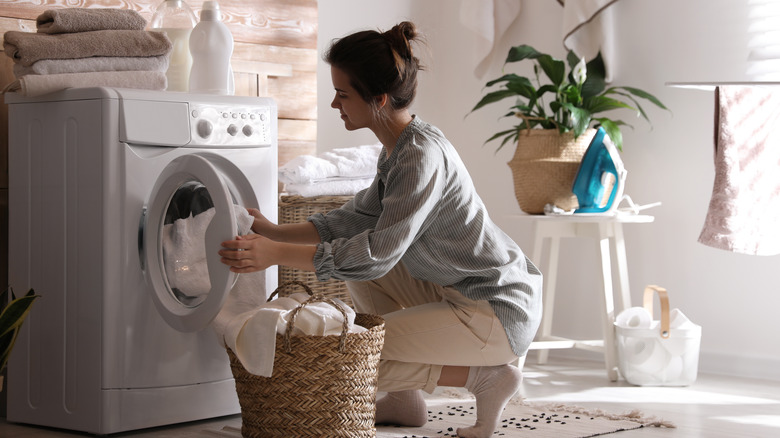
pixel 608 232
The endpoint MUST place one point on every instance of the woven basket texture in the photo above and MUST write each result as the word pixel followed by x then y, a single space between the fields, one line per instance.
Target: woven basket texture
pixel 322 386
pixel 295 209
pixel 544 166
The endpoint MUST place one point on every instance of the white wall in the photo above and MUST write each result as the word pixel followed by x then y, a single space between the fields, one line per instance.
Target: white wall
pixel 733 297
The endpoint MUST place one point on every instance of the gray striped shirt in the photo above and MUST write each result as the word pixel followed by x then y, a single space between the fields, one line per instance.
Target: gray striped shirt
pixel 422 209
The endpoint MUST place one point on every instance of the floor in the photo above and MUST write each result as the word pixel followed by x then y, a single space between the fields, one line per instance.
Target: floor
pixel 713 407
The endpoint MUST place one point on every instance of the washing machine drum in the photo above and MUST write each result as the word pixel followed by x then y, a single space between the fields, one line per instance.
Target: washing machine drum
pixel 190 213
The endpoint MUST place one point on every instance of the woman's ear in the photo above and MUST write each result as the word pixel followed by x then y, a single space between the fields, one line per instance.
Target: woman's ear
pixel 381 100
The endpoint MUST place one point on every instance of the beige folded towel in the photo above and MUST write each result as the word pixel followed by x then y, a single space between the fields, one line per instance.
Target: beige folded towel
pixel 70 20
pixel 36 85
pixel 97 63
pixel 26 48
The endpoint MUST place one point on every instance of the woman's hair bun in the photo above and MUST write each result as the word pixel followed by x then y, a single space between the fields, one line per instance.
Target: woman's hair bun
pixel 400 38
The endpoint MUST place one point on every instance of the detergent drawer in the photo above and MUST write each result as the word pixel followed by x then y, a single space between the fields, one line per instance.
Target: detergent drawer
pixel 143 122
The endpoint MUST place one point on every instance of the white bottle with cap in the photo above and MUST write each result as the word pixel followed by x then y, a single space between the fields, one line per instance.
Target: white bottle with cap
pixel 176 19
pixel 211 46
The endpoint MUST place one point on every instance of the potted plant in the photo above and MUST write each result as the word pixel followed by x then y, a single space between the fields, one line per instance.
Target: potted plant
pixel 11 319
pixel 552 135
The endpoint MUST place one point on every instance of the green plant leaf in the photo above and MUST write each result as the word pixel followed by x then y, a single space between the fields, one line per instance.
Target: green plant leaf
pixel 573 60
pixel 555 69
pixel 522 87
pixel 613 131
pixel 571 94
pixel 580 119
pixel 641 111
pixel 492 97
pixel 499 135
pixel 11 319
pixel 594 81
pixel 599 104
pixel 13 315
pixel 644 95
pixel 506 78
pixel 521 52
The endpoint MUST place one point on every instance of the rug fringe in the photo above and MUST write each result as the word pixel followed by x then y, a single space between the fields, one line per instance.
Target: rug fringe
pixel 633 415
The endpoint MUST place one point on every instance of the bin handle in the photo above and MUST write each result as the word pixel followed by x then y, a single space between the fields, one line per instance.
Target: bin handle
pixel 663 297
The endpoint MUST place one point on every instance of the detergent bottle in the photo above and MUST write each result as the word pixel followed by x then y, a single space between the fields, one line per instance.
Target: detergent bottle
pixel 176 19
pixel 211 46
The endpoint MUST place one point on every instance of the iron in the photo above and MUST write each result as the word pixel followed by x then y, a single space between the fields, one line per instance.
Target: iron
pixel 601 177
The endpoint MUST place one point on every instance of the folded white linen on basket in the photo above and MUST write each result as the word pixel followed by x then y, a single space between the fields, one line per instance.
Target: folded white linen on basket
pixel 251 334
pixel 330 187
pixel 354 162
pixel 37 85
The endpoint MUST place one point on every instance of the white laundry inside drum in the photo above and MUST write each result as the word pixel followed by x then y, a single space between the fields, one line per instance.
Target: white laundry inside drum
pixel 184 251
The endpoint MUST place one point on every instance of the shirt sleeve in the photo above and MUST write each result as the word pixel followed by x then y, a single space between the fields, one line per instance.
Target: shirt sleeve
pixel 413 188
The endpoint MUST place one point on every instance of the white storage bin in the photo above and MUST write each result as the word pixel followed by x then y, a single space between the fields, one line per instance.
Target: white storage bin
pixel 654 353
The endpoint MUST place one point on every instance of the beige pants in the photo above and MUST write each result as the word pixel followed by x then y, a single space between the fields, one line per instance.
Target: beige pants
pixel 428 326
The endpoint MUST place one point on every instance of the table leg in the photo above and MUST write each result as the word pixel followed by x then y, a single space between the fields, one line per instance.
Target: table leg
pixel 548 295
pixel 608 329
pixel 624 295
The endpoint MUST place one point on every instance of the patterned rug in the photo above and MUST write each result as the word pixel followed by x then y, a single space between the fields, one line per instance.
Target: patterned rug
pixel 453 409
pixel 450 409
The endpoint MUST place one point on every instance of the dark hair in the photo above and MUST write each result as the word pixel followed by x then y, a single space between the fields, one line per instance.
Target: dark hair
pixel 379 63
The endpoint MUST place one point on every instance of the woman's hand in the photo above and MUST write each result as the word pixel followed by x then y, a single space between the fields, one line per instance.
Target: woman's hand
pixel 261 224
pixel 254 252
pixel 248 253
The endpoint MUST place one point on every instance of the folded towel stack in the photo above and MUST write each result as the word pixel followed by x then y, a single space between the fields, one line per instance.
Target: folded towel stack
pixel 77 47
pixel 340 172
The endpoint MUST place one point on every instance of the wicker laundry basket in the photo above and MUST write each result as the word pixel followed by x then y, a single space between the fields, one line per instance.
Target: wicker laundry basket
pixel 321 386
pixel 295 209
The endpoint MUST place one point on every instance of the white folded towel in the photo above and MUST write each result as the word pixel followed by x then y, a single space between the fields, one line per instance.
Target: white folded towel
pixel 37 85
pixel 304 169
pixel 331 187
pixel 94 64
pixel 355 162
pixel 358 161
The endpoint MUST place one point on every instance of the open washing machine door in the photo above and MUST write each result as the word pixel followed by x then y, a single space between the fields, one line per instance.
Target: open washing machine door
pixel 188 281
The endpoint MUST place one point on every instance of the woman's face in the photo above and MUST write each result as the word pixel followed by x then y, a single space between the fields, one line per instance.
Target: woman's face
pixel 355 112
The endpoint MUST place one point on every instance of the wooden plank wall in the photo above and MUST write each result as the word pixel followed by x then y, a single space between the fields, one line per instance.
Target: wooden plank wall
pixel 271 36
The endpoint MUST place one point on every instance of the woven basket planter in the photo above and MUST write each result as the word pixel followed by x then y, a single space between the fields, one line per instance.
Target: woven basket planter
pixel 295 209
pixel 544 167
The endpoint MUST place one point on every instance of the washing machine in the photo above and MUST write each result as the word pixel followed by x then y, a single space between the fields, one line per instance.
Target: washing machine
pixel 95 177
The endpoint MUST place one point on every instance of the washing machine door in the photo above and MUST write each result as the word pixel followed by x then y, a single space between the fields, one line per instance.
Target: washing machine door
pixel 189 214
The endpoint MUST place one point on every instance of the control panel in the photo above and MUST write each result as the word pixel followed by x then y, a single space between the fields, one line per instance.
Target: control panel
pixel 214 125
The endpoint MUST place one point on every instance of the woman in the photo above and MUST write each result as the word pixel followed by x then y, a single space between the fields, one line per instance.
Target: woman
pixel 461 301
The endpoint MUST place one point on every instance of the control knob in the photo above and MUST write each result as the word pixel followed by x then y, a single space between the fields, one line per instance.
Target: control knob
pixel 204 128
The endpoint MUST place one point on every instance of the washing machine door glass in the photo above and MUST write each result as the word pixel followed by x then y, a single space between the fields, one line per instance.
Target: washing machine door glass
pixel 190 213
